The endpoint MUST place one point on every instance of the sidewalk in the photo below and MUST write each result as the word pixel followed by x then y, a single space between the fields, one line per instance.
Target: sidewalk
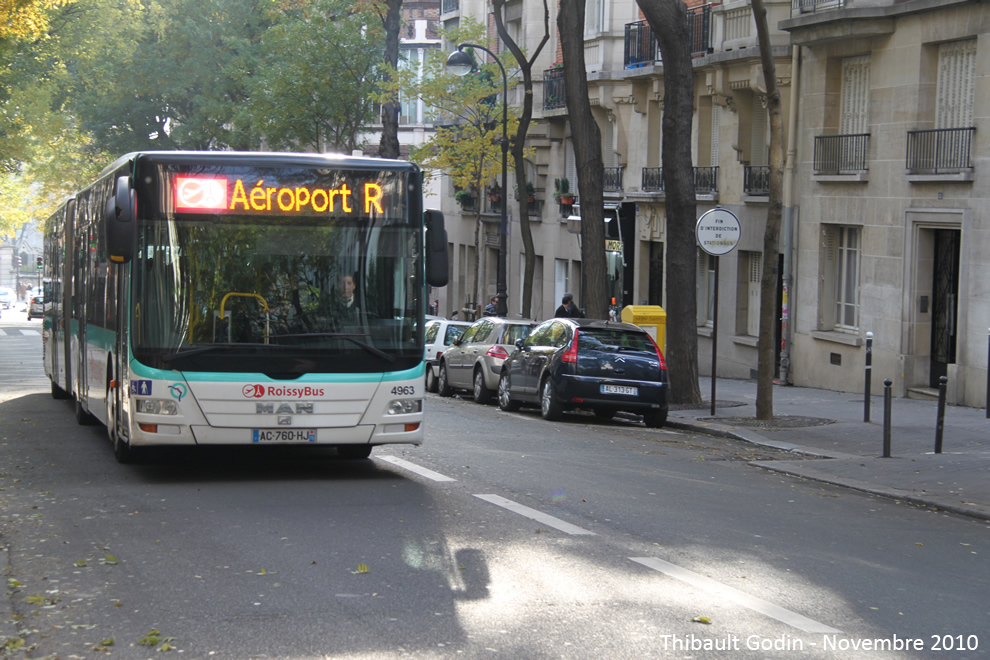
pixel 829 425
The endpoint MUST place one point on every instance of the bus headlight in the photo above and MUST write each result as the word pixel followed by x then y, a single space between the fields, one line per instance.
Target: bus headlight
pixel 157 406
pixel 405 406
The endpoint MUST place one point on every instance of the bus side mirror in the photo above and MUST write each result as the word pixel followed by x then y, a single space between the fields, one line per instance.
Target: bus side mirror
pixel 436 249
pixel 119 222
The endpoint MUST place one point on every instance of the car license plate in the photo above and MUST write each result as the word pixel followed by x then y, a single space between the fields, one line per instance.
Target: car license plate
pixel 284 435
pixel 620 389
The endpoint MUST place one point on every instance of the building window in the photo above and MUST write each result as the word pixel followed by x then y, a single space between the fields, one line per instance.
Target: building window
pixel 750 277
pixel 841 251
pixel 956 84
pixel 854 111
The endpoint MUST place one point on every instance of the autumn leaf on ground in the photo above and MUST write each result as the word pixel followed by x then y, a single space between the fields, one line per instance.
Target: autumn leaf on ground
pixel 80 563
pixel 702 619
pixel 362 568
pixel 151 639
pixel 109 560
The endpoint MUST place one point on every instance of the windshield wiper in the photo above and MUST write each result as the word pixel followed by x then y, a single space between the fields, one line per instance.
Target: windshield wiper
pixel 206 349
pixel 349 336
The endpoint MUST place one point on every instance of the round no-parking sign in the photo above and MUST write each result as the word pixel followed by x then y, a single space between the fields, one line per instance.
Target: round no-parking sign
pixel 718 232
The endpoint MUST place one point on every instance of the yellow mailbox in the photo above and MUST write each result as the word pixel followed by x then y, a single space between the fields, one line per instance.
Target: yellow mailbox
pixel 651 318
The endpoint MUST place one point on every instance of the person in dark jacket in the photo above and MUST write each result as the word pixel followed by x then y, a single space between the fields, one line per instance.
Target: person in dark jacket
pixel 567 309
pixel 490 308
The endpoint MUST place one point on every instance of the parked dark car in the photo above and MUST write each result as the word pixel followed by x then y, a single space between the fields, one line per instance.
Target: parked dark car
pixel 603 366
pixel 474 362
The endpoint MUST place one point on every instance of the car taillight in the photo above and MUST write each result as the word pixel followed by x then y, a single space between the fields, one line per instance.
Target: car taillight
pixel 663 363
pixel 439 353
pixel 497 352
pixel 570 355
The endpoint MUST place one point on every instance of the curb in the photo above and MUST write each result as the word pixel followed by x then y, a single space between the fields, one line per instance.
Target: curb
pixel 970 510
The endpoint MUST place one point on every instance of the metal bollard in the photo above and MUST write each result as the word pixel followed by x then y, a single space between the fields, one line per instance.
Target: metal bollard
pixel 886 417
pixel 869 374
pixel 940 418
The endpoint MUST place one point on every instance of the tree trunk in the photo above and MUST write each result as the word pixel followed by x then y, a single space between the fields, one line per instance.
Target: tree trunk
pixel 587 140
pixel 388 147
pixel 668 20
pixel 518 145
pixel 771 236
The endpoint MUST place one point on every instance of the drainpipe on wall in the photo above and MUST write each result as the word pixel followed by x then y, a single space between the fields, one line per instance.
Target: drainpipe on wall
pixel 790 216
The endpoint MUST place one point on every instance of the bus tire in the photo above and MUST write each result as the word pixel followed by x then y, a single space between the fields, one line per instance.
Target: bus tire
pixel 83 418
pixel 58 392
pixel 122 450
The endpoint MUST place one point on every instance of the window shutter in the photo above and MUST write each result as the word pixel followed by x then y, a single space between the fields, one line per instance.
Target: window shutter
pixel 955 87
pixel 753 309
pixel 855 102
pixel 758 134
pixel 716 116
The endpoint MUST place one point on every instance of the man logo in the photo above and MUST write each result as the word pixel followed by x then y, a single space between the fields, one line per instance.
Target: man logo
pixel 253 391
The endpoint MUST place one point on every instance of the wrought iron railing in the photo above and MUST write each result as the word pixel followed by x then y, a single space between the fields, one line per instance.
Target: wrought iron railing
pixel 612 179
pixel 652 179
pixel 939 151
pixel 700 29
pixel 554 90
pixel 841 154
pixel 641 47
pixel 705 180
pixel 756 180
pixel 810 6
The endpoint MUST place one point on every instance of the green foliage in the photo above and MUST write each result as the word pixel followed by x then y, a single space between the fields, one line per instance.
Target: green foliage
pixel 468 114
pixel 317 83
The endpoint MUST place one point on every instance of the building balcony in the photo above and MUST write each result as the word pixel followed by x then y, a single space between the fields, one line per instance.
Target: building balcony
pixel 812 6
pixel 756 180
pixel 554 90
pixel 705 180
pixel 612 179
pixel 940 151
pixel 641 48
pixel 841 154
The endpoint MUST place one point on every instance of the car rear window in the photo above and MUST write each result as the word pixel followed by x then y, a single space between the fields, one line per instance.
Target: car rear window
pixel 600 339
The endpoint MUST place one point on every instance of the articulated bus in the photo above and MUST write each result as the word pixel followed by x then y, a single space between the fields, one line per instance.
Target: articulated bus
pixel 227 298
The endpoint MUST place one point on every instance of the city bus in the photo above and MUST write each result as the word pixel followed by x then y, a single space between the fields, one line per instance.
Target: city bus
pixel 236 298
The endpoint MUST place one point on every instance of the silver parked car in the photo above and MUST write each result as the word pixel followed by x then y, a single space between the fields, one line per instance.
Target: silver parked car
pixel 439 334
pixel 475 360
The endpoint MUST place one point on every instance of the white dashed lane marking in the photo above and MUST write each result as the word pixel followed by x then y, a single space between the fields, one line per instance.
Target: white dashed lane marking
pixel 696 580
pixel 412 467
pixel 538 516
pixel 734 595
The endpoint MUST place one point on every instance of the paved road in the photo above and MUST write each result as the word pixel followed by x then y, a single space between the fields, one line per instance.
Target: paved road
pixel 503 536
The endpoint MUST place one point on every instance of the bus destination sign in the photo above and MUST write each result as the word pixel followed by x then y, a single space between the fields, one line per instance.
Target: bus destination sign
pixel 218 194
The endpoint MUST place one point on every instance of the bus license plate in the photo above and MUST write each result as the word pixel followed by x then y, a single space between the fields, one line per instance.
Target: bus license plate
pixel 619 389
pixel 284 435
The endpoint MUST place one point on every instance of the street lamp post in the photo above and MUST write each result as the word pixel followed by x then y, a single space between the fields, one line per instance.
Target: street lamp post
pixel 459 63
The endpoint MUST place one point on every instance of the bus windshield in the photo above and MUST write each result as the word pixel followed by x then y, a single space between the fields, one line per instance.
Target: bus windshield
pixel 274 287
